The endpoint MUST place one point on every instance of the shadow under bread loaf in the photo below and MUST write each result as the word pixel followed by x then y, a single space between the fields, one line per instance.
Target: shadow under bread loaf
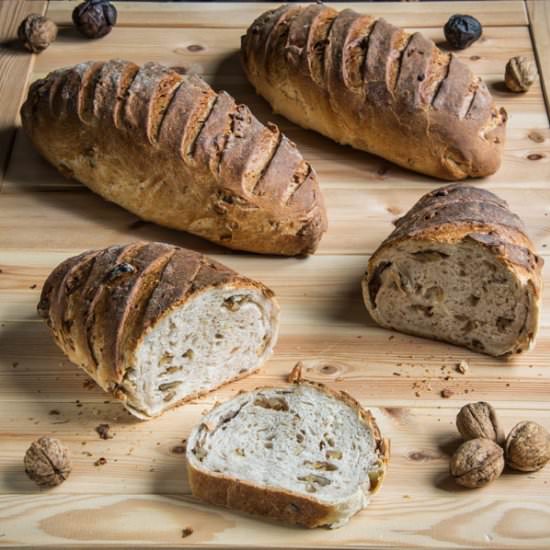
pixel 156 324
pixel 171 150
pixel 366 83
pixel 458 267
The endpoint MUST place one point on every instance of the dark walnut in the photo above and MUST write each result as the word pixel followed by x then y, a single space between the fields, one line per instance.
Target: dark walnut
pixel 479 420
pixel 527 447
pixel 36 32
pixel 476 463
pixel 520 73
pixel 47 462
pixel 462 31
pixel 95 18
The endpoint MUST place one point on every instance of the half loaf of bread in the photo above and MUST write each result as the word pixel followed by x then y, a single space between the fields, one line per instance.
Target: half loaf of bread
pixel 458 267
pixel 364 82
pixel 303 454
pixel 156 324
pixel 173 151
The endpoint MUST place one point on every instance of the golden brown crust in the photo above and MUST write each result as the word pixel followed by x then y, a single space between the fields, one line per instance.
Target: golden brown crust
pixel 281 505
pixel 100 304
pixel 367 83
pixel 173 151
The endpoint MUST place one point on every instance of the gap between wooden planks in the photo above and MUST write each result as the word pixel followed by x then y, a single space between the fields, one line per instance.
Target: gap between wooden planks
pixel 15 67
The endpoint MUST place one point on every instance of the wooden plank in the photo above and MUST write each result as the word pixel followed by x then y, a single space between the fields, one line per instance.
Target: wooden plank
pixel 141 458
pixel 363 196
pixel 539 25
pixel 140 498
pixel 235 15
pixel 218 61
pixel 15 66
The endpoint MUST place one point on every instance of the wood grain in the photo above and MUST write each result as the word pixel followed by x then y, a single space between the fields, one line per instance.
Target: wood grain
pixel 234 15
pixel 15 66
pixel 539 24
pixel 140 497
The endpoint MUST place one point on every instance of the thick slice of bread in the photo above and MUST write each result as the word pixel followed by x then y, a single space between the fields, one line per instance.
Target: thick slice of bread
pixel 458 267
pixel 156 325
pixel 303 454
pixel 366 83
pixel 171 150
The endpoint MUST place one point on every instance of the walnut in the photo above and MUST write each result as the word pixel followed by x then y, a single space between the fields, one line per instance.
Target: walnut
pixel 37 32
pixel 47 462
pixel 520 74
pixel 95 18
pixel 477 462
pixel 527 447
pixel 479 420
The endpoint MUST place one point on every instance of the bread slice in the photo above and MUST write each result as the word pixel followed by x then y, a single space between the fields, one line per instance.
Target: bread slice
pixel 302 454
pixel 168 148
pixel 363 82
pixel 458 267
pixel 156 325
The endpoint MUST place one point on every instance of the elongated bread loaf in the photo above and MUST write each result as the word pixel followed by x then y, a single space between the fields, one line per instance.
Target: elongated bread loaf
pixel 171 150
pixel 365 83
pixel 458 267
pixel 155 324
pixel 304 455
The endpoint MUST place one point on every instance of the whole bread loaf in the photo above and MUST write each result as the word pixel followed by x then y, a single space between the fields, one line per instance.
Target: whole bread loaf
pixel 458 267
pixel 363 82
pixel 171 150
pixel 155 324
pixel 305 455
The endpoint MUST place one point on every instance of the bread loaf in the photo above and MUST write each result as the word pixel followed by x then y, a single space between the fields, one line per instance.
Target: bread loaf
pixel 458 267
pixel 171 150
pixel 156 324
pixel 304 455
pixel 365 83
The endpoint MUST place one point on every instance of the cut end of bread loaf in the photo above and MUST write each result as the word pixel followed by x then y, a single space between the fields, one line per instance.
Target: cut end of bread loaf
pixel 220 335
pixel 304 455
pixel 458 268
pixel 156 325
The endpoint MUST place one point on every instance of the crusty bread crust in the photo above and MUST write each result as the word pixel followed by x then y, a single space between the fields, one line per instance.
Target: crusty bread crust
pixel 171 150
pixel 368 84
pixel 101 304
pixel 457 213
pixel 287 506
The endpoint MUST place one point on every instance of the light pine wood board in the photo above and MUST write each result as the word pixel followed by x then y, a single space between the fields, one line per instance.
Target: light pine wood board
pixel 140 498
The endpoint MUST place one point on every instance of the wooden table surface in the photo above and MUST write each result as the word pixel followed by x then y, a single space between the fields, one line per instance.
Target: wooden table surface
pixel 140 497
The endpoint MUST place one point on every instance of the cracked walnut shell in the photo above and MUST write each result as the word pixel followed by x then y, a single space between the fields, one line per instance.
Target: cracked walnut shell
pixel 520 73
pixel 37 32
pixel 479 420
pixel 47 462
pixel 527 447
pixel 476 463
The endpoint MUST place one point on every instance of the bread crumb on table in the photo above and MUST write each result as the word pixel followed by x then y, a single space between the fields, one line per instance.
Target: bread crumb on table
pixel 462 367
pixel 446 393
pixel 186 532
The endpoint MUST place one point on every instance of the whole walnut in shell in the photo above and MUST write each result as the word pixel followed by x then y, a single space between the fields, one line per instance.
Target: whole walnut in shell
pixel 476 463
pixel 527 447
pixel 37 32
pixel 47 462
pixel 520 73
pixel 479 420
